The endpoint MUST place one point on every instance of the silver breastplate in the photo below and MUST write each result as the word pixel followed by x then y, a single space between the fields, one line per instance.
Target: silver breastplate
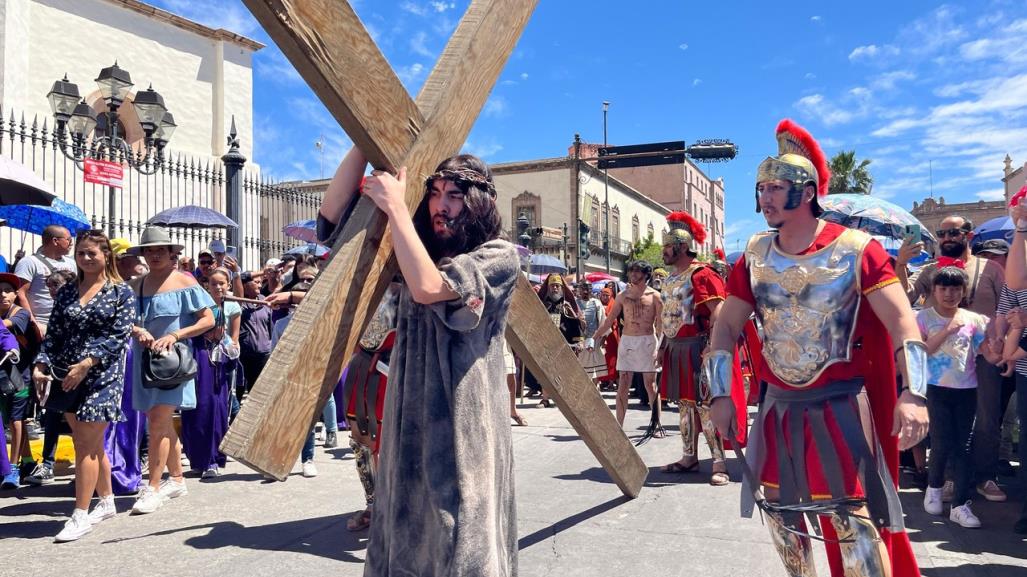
pixel 807 304
pixel 384 320
pixel 678 301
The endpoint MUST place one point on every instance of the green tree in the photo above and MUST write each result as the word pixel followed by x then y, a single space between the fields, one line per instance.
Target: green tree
pixel 850 176
pixel 647 249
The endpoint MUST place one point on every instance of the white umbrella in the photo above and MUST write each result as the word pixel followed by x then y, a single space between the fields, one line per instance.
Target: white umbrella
pixel 20 185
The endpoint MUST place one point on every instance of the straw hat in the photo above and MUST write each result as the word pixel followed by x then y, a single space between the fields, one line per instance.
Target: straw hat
pixel 154 236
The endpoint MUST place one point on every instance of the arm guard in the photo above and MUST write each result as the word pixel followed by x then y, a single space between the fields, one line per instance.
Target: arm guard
pixel 717 367
pixel 911 361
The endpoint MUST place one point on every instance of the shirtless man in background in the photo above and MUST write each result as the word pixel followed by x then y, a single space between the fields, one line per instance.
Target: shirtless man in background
pixel 639 345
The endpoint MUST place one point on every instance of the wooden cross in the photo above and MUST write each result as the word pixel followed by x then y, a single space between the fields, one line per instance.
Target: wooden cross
pixel 333 52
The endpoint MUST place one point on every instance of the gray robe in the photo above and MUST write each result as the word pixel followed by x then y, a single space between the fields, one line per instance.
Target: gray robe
pixel 444 494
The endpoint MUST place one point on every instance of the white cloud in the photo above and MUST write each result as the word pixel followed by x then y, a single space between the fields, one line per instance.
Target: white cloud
pixel 888 80
pixel 418 46
pixel 409 75
pixel 815 18
pixel 524 75
pixel 482 150
pixel 442 6
pixel 415 9
pixel 996 194
pixel 696 81
pixel 733 228
pixel 683 46
pixel 935 31
pixel 272 65
pixel 496 107
pixel 816 106
pixel 810 76
pixel 1007 45
pixel 872 52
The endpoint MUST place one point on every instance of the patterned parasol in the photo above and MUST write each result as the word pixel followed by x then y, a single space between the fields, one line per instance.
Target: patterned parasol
pixel 305 230
pixel 872 215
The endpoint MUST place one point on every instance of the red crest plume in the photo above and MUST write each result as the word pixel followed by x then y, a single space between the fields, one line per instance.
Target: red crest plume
pixel 800 141
pixel 1016 198
pixel 719 253
pixel 698 230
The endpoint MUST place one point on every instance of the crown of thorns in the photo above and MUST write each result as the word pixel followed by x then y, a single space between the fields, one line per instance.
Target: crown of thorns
pixel 465 177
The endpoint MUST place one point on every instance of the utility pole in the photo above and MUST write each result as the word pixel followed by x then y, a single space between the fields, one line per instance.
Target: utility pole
pixel 576 200
pixel 606 195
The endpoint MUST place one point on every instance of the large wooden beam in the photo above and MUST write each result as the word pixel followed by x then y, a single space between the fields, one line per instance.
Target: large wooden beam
pixel 534 339
pixel 269 431
pixel 303 369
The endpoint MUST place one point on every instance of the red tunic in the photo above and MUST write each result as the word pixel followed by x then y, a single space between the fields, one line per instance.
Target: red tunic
pixel 871 359
pixel 708 288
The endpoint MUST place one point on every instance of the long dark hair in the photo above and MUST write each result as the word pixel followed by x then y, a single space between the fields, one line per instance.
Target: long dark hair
pixel 477 223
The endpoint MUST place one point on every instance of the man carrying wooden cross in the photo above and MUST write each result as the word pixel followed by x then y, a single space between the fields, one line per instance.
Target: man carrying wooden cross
pixel 444 500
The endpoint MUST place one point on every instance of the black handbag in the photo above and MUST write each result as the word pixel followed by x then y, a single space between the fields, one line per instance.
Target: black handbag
pixel 60 400
pixel 168 370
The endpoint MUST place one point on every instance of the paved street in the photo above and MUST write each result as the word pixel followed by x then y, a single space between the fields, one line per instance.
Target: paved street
pixel 572 522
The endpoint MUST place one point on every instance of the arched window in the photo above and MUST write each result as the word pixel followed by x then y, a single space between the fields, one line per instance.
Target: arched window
pixel 651 231
pixel 594 234
pixel 615 223
pixel 634 229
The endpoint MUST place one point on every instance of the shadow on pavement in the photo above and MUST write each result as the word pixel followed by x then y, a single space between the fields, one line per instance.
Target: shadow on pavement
pixel 323 537
pixel 982 570
pixel 564 524
pixel 655 479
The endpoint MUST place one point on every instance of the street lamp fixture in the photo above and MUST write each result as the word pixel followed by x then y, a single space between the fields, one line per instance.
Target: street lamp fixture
pixel 75 118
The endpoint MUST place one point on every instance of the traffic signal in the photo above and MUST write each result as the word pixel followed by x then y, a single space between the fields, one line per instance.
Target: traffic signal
pixel 583 230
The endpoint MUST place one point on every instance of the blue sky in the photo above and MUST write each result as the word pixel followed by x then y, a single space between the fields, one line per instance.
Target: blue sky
pixel 935 94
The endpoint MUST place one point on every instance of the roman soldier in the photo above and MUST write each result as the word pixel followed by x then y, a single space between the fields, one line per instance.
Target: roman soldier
pixel 364 381
pixel 692 295
pixel 835 323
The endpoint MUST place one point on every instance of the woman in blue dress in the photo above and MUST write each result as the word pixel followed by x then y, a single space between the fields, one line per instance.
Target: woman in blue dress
pixel 84 350
pixel 204 427
pixel 172 308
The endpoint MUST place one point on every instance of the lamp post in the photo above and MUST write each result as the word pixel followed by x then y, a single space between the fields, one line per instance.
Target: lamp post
pixel 77 121
pixel 606 196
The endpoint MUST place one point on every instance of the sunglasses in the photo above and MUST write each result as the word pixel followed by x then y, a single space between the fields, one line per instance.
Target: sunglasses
pixel 950 232
pixel 206 262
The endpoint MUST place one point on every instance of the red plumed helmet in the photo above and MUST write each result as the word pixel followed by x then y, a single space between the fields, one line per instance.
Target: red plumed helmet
pixel 683 220
pixel 719 253
pixel 794 139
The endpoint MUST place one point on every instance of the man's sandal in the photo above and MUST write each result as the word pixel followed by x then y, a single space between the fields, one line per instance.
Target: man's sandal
pixel 360 521
pixel 719 479
pixel 676 468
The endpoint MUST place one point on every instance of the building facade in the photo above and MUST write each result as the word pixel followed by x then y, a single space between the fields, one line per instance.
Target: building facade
pixel 677 187
pixel 555 193
pixel 931 212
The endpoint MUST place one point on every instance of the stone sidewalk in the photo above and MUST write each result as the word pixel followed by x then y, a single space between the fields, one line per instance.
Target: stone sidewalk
pixel 572 522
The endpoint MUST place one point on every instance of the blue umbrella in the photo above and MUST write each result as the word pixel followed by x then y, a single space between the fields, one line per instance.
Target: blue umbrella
pixel 34 218
pixel 192 216
pixel 305 230
pixel 545 264
pixel 309 248
pixel 1000 228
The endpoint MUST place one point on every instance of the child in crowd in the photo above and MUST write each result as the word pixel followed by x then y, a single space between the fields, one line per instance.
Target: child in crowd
pixel 953 336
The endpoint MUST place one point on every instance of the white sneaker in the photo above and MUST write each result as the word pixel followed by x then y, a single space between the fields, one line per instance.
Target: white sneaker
pixel 149 500
pixel 172 489
pixel 75 528
pixel 932 501
pixel 948 490
pixel 964 517
pixel 104 509
pixel 309 470
pixel 212 472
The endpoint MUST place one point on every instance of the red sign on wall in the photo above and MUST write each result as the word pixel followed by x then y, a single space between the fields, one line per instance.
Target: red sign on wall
pixel 103 172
